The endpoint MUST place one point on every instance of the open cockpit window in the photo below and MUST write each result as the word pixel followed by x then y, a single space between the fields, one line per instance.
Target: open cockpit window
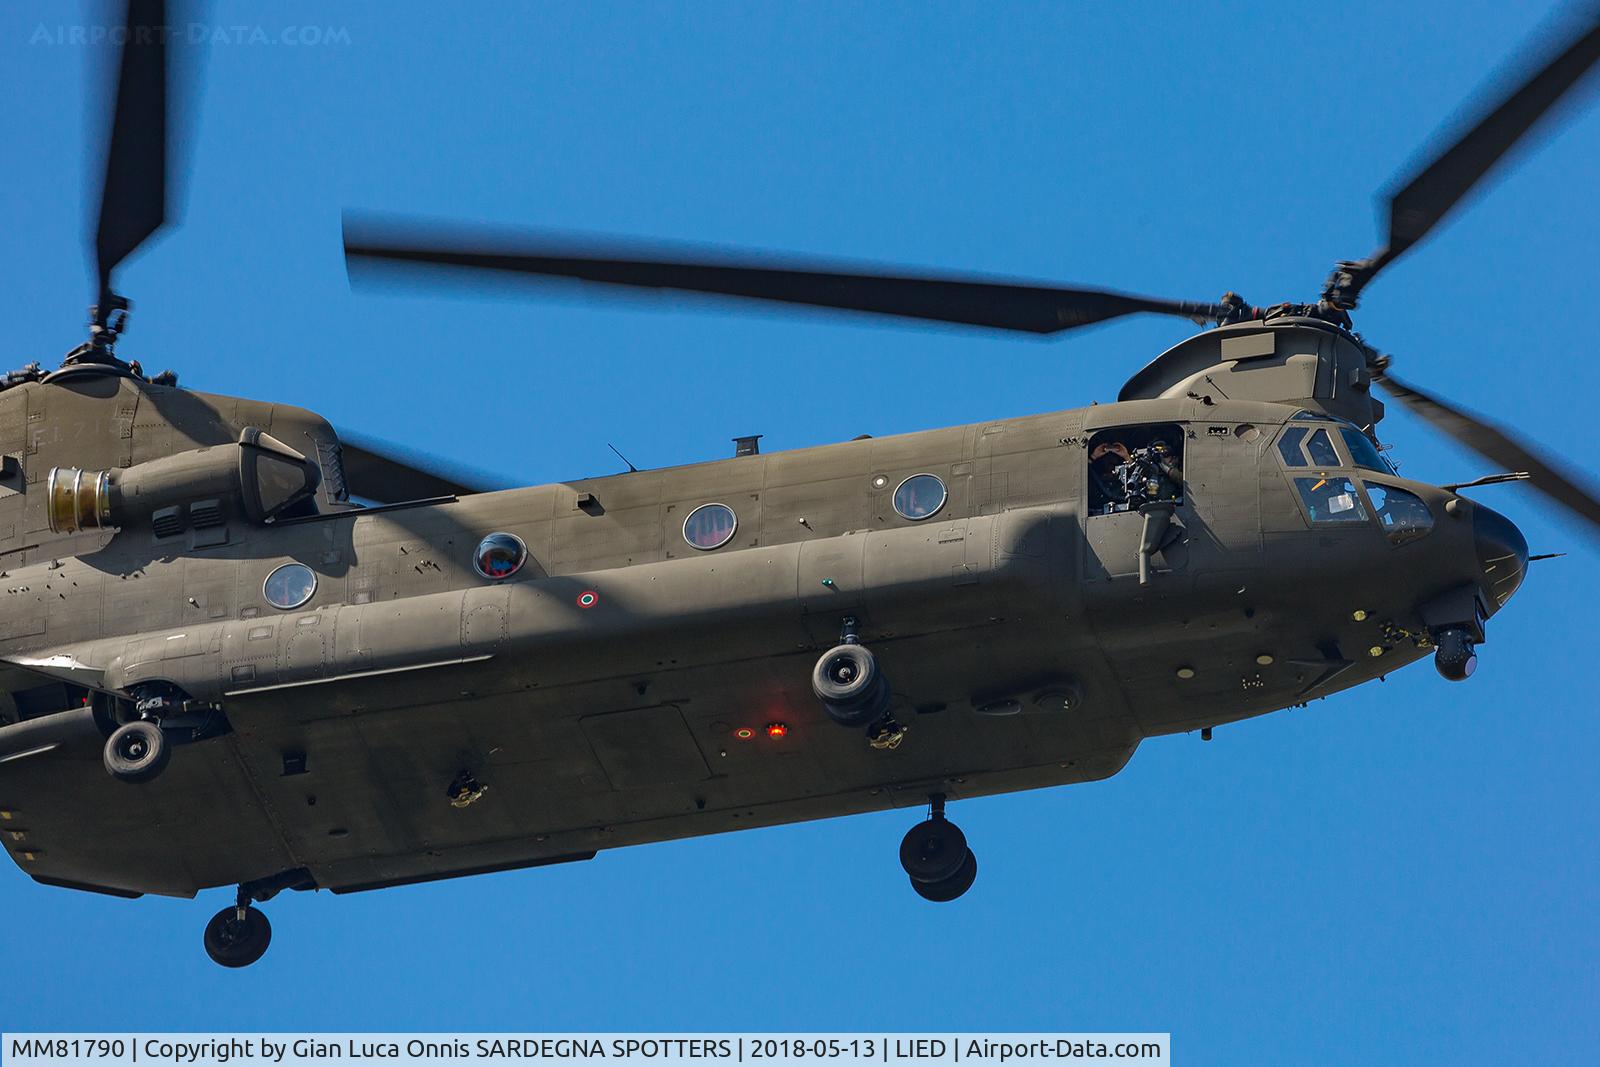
pixel 1132 466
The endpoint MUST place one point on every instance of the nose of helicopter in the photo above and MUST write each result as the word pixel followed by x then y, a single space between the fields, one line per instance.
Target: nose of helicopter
pixel 1502 553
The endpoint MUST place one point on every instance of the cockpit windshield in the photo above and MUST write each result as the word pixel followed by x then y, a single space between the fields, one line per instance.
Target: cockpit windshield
pixel 1363 451
pixel 1302 446
pixel 1319 446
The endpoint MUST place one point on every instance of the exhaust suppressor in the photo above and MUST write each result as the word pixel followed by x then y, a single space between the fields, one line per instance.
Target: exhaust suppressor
pixel 257 477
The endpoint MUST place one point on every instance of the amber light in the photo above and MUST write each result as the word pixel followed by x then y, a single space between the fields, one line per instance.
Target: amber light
pixel 777 729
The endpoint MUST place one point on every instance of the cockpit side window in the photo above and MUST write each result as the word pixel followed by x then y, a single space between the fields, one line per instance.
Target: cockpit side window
pixel 1289 446
pixel 1131 466
pixel 1402 514
pixel 1331 499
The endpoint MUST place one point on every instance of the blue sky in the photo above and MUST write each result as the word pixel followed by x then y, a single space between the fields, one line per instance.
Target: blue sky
pixel 1403 873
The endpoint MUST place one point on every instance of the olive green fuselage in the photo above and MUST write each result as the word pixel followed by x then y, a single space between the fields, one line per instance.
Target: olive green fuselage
pixel 618 689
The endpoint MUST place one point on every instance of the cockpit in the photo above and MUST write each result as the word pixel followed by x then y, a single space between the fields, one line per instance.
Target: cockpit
pixel 1325 457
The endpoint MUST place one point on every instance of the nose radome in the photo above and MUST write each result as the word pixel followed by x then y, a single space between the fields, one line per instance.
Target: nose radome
pixel 1502 553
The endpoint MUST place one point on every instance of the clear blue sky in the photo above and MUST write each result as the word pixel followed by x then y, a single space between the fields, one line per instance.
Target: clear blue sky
pixel 1404 873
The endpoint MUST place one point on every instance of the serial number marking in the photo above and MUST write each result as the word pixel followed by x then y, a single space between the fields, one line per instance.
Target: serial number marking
pixel 60 1048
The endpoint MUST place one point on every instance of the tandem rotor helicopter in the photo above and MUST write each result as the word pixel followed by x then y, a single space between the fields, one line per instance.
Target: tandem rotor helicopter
pixel 236 650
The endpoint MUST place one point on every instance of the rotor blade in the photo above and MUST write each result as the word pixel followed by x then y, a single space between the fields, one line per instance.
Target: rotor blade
pixel 133 198
pixel 974 302
pixel 377 471
pixel 1497 446
pixel 1436 186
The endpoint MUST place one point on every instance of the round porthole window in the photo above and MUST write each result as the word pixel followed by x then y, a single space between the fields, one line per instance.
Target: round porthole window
pixel 289 586
pixel 919 496
pixel 500 555
pixel 710 526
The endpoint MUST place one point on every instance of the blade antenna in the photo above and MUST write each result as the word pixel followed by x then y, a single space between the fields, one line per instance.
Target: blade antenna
pixel 631 468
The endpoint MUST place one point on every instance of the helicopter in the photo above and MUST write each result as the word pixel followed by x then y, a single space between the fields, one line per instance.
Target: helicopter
pixel 239 648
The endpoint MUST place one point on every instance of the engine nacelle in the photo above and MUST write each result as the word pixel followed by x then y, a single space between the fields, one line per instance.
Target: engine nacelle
pixel 257 477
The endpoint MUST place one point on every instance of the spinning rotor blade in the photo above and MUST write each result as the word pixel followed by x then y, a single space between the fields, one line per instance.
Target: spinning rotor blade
pixel 390 475
pixel 134 195
pixel 1431 191
pixel 974 302
pixel 1495 445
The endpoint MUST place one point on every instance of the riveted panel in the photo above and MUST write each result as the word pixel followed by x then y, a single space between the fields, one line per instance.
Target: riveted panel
pixel 646 747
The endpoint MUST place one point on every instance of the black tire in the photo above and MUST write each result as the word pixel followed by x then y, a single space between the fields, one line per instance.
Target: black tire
pixel 875 707
pixel 845 675
pixel 933 850
pixel 233 942
pixel 952 887
pixel 136 752
pixel 853 691
pixel 1455 657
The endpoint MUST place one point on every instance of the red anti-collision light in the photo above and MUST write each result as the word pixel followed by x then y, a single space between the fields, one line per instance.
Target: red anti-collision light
pixel 777 729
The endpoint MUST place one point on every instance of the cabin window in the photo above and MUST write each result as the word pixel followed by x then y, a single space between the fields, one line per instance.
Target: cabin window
pixel 919 496
pixel 500 555
pixel 1331 499
pixel 710 526
pixel 1131 466
pixel 1364 452
pixel 290 586
pixel 1403 515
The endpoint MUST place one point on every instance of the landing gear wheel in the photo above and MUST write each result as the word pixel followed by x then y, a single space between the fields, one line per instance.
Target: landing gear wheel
pixel 949 888
pixel 235 942
pixel 136 752
pixel 1455 657
pixel 852 689
pixel 934 850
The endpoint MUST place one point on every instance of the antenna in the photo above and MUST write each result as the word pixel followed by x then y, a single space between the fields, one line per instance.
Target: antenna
pixel 631 468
